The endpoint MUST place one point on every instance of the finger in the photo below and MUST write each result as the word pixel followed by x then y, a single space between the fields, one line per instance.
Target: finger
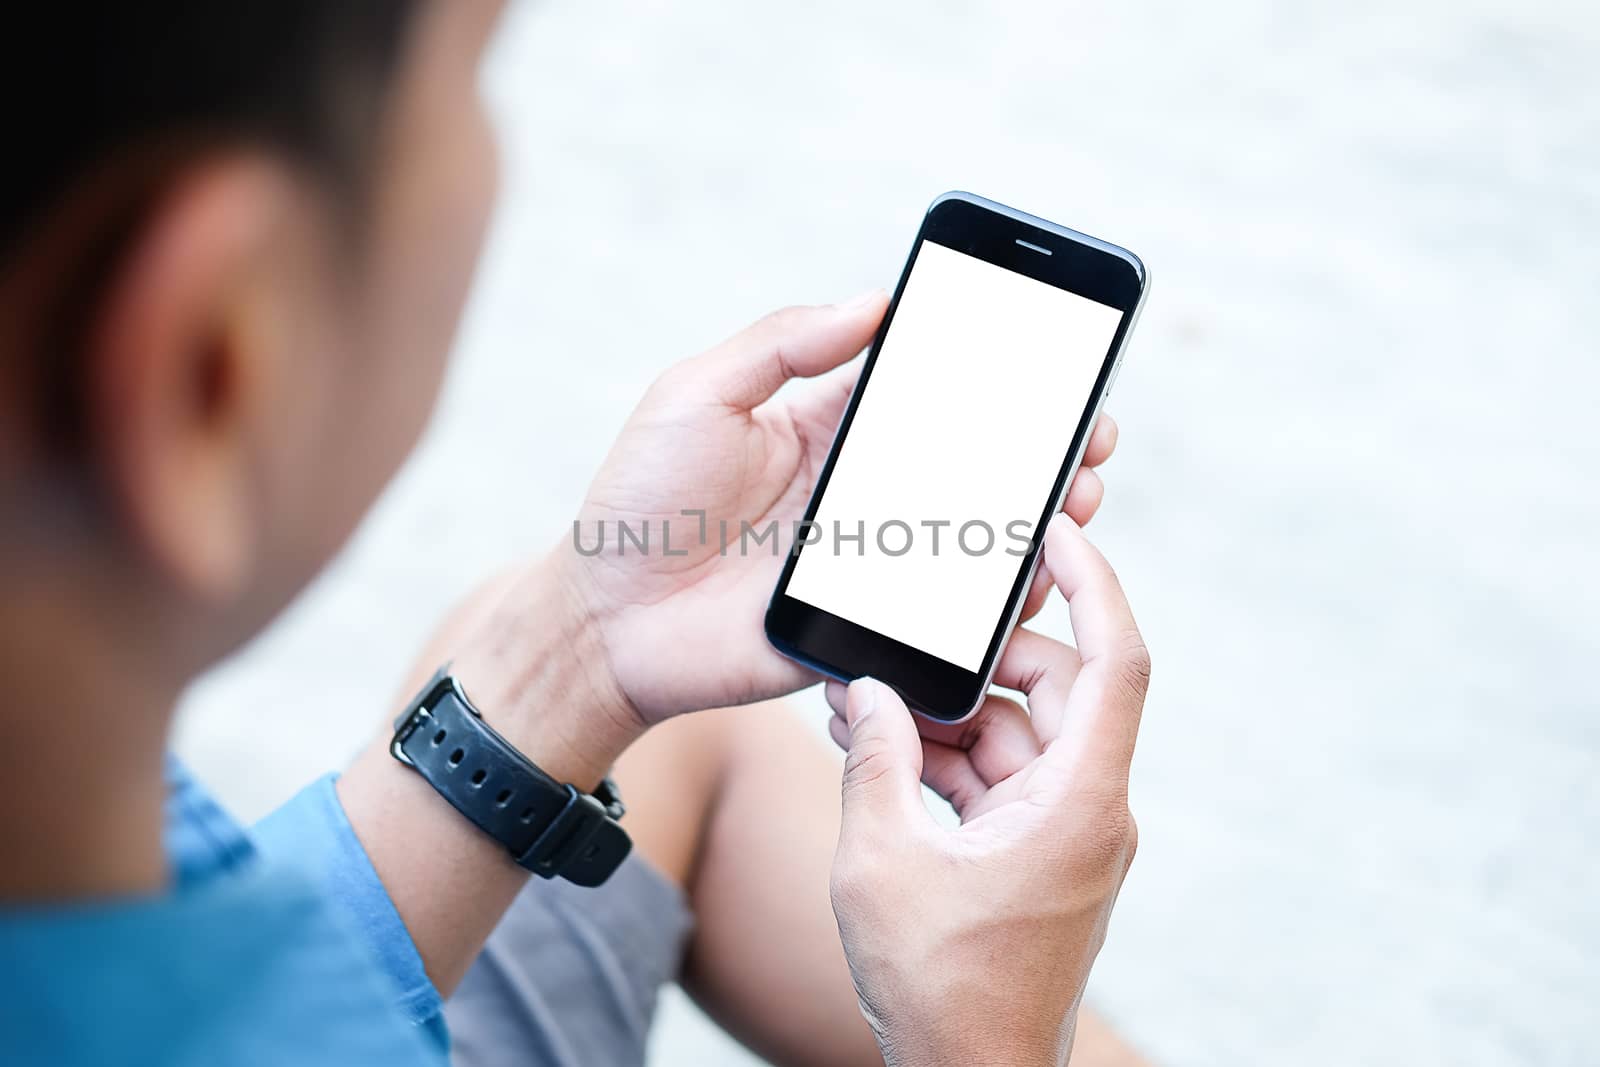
pixel 797 342
pixel 1044 669
pixel 949 772
pixel 883 761
pixel 839 731
pixel 945 770
pixel 997 741
pixel 819 406
pixel 1101 716
pixel 1084 498
pixel 1102 442
pixel 998 738
pixel 1038 592
pixel 1082 504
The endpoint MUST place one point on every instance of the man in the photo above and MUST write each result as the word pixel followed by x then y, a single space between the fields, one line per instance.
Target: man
pixel 234 247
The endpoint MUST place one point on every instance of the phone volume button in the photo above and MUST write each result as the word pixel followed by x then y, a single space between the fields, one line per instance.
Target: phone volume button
pixel 1111 383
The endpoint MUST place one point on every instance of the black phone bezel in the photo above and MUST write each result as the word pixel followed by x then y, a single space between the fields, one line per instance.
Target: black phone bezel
pixel 994 233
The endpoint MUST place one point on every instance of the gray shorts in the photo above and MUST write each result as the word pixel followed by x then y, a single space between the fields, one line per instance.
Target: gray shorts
pixel 570 976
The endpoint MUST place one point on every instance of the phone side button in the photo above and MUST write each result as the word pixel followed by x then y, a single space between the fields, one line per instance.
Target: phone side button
pixel 1111 383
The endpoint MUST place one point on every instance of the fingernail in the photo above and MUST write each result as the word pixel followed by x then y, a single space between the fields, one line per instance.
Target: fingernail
pixel 865 691
pixel 859 302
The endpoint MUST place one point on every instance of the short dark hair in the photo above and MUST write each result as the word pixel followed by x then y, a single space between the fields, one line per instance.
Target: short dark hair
pixel 82 82
pixel 126 91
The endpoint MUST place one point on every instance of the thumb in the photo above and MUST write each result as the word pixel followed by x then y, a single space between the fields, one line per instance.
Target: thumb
pixel 797 342
pixel 883 764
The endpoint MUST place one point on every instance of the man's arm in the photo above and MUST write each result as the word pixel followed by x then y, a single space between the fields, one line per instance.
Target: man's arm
pixel 740 807
pixel 574 656
pixel 524 652
pixel 974 945
pixel 578 654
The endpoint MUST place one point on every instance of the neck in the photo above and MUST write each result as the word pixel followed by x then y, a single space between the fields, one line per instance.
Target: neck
pixel 81 790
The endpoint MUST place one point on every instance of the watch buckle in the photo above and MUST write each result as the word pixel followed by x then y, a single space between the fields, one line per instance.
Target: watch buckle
pixel 403 731
pixel 421 708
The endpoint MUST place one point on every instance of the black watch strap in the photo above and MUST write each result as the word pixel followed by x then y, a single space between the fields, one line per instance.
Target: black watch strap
pixel 549 827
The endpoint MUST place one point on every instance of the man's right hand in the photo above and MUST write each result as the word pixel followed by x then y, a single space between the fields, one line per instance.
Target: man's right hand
pixel 973 945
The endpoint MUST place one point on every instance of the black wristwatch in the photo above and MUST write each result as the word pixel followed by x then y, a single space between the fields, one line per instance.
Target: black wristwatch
pixel 549 827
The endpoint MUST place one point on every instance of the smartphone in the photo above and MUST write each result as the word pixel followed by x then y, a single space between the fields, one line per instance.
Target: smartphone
pixel 966 427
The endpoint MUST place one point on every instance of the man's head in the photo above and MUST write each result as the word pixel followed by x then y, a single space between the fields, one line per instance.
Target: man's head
pixel 235 239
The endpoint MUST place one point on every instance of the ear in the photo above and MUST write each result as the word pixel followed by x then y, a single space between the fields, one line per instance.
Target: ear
pixel 177 360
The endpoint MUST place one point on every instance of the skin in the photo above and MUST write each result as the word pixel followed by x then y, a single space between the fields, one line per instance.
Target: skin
pixel 757 872
pixel 250 376
pixel 702 810
pixel 1045 839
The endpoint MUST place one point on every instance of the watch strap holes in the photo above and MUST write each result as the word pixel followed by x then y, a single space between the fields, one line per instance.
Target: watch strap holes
pixel 456 757
pixel 503 799
pixel 478 776
pixel 527 815
pixel 438 739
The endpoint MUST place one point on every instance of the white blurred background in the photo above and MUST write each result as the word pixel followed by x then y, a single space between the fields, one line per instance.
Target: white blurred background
pixel 1355 502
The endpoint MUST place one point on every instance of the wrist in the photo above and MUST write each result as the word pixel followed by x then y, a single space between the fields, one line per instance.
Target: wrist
pixel 978 1045
pixel 535 665
pixel 973 1025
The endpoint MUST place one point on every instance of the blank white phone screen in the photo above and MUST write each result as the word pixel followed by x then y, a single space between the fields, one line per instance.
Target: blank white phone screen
pixel 978 389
